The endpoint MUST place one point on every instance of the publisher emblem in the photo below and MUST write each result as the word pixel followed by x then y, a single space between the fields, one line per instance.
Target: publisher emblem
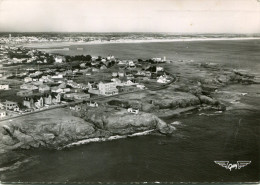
pixel 230 166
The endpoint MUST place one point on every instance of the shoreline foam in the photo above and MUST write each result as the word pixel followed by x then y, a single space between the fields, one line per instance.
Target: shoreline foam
pixel 91 140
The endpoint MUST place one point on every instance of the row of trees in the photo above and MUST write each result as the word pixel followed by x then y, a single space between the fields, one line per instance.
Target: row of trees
pixel 84 58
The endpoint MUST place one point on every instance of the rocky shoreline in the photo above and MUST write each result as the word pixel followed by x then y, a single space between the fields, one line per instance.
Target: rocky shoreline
pixel 57 128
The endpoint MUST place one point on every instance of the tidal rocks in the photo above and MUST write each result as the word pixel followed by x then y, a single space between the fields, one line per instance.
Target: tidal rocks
pixel 223 79
pixel 208 100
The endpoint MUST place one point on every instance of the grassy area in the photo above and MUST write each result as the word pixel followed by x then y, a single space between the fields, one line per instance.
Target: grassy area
pixel 10 95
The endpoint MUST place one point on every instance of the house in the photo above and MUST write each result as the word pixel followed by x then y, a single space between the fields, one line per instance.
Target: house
pixel 163 79
pixel 103 67
pixel 121 74
pixel 76 90
pixel 57 77
pixel 140 73
pixel 129 83
pixel 48 99
pixel 76 108
pixel 36 83
pixel 131 64
pixel 59 59
pixel 2 106
pixel 2 113
pixel 133 111
pixel 140 86
pixel 82 65
pixel 36 74
pixel 114 74
pixel 83 86
pixel 39 103
pixel 110 57
pixel 95 69
pixel 116 80
pixel 93 58
pixel 9 105
pixel 24 93
pixel 92 85
pixel 28 87
pixel 107 89
pixel 122 63
pixel 56 98
pixel 159 68
pixel 46 79
pixel 73 84
pixel 157 59
pixel 69 95
pixel 92 104
pixel 44 88
pixel 4 87
pixel 57 89
pixel 28 102
pixel 66 90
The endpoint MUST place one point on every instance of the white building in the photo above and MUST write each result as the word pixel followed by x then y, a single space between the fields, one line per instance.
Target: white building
pixel 58 59
pixel 2 113
pixel 133 111
pixel 163 79
pixel 4 87
pixel 59 76
pixel 27 79
pixel 131 64
pixel 158 68
pixel 108 89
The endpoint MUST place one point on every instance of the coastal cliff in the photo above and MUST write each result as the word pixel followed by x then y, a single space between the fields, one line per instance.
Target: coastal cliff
pixel 58 128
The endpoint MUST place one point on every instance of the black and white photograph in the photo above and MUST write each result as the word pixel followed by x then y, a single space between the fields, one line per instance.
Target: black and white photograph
pixel 129 91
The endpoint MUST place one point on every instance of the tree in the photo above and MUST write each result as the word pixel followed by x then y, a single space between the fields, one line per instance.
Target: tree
pixel 88 58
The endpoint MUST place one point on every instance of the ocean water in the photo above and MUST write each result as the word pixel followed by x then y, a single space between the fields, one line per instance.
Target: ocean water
pixel 237 53
pixel 188 155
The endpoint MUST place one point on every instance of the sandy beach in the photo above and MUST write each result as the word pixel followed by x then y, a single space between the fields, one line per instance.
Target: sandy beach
pixel 44 45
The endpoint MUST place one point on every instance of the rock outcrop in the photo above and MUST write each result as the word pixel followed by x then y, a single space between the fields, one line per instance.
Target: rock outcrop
pixel 97 122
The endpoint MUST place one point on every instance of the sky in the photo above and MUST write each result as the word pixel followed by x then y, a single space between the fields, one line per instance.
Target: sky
pixel 177 16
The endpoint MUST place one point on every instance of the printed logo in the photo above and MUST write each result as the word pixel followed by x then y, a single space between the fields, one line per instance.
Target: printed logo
pixel 231 166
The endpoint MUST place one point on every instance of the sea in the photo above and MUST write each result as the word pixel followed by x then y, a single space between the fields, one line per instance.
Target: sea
pixel 188 155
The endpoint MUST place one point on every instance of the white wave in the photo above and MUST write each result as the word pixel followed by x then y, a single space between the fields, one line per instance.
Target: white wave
pixel 205 114
pixel 176 123
pixel 86 141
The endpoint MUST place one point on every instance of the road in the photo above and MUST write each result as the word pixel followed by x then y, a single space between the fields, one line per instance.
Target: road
pixel 91 99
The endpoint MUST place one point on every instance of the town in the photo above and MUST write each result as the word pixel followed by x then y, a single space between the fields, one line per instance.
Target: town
pixel 32 80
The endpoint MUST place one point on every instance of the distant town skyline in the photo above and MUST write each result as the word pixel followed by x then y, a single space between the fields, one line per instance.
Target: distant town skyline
pixel 175 16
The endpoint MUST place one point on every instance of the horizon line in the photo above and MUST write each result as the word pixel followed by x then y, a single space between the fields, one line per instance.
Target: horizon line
pixel 246 33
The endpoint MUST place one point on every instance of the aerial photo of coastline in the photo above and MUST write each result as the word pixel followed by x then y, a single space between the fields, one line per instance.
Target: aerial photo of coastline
pixel 129 96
